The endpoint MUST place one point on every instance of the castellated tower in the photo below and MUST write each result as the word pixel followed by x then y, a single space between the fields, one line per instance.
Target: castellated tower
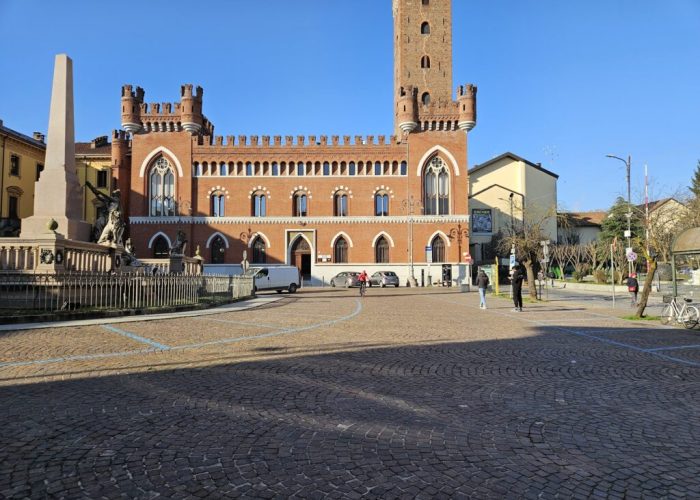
pixel 423 50
pixel 131 108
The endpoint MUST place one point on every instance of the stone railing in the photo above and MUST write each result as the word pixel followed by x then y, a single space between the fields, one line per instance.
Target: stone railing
pixel 61 255
pixel 56 254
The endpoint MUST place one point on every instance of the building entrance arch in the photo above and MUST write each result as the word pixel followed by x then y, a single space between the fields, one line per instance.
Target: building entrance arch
pixel 300 256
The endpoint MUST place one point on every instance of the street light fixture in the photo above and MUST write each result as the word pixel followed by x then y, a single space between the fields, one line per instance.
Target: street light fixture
pixel 409 206
pixel 628 234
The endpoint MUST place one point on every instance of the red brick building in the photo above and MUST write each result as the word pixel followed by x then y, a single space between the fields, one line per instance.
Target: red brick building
pixel 322 204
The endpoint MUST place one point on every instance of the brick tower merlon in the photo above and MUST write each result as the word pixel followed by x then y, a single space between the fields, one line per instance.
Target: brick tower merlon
pixel 140 117
pixel 437 115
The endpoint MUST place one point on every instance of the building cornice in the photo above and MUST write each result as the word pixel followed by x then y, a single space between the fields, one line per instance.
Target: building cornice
pixel 304 221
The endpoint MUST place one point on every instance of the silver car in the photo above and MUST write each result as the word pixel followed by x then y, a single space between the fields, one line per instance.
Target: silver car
pixel 346 279
pixel 384 278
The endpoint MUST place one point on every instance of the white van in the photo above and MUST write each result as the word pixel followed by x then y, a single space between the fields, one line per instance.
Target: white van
pixel 275 278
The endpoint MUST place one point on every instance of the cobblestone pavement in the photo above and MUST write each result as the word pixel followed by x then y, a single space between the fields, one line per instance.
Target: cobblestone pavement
pixel 406 393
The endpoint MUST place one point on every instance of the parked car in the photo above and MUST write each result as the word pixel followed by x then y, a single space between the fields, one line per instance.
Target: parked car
pixel 384 278
pixel 275 278
pixel 346 279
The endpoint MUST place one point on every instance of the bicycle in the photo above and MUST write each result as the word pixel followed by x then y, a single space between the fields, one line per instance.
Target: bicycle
pixel 679 313
pixel 363 288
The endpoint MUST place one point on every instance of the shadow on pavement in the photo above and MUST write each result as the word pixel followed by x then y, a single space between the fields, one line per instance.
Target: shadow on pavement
pixel 578 413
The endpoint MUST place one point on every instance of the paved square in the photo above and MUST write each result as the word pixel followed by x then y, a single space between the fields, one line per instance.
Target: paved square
pixel 406 393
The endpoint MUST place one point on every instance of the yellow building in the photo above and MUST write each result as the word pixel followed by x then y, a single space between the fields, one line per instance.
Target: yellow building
pixel 502 191
pixel 21 163
pixel 92 162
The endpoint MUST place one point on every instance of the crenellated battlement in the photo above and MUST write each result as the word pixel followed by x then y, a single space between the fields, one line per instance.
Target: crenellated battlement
pixel 141 117
pixel 310 142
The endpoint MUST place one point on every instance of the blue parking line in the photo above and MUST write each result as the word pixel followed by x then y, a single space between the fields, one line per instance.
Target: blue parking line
pixel 80 357
pixel 137 338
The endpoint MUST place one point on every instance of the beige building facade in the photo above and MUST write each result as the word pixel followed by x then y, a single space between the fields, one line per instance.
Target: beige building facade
pixel 503 191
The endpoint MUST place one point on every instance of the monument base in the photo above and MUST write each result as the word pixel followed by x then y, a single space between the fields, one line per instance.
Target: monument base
pixel 40 227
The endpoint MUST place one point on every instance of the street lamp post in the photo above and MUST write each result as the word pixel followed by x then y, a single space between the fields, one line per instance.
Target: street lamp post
pixel 409 206
pixel 628 233
pixel 460 232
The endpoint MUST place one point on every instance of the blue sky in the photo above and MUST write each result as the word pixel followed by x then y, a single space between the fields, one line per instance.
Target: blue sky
pixel 561 82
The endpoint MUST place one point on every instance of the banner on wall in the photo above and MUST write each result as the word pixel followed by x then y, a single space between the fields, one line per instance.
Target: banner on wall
pixel 482 221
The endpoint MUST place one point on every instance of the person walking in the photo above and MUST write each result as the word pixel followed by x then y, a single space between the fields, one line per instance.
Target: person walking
pixel 482 281
pixel 633 288
pixel 517 281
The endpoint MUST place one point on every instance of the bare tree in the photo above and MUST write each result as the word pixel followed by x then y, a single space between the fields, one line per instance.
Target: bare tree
pixel 525 236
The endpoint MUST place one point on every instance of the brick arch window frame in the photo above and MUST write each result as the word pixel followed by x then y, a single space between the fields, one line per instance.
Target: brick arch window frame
pixel 258 204
pixel 161 247
pixel 425 62
pixel 217 204
pixel 381 251
pixel 425 28
pixel 381 204
pixel 218 250
pixel 340 203
pixel 161 188
pixel 438 249
pixel 300 204
pixel 436 187
pixel 258 251
pixel 340 251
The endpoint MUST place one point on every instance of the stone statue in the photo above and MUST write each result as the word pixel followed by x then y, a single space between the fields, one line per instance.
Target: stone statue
pixel 109 226
pixel 178 247
pixel 244 262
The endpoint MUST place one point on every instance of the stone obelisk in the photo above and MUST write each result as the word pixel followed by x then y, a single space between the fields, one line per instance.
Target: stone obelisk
pixel 58 196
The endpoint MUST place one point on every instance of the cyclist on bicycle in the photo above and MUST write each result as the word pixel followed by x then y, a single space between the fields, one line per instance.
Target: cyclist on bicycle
pixel 363 282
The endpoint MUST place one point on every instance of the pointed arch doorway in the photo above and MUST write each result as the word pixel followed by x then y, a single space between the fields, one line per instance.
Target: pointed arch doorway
pixel 300 256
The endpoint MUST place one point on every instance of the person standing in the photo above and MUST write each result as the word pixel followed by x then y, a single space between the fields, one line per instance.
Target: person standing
pixel 482 281
pixel 517 281
pixel 633 288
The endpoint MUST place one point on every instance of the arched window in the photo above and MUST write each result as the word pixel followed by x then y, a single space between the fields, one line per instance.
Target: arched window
pixel 223 169
pixel 340 204
pixel 381 251
pixel 436 188
pixel 403 168
pixel 197 169
pixel 426 2
pixel 381 204
pixel 425 99
pixel 340 251
pixel 299 206
pixel 351 168
pixel 275 169
pixel 218 201
pixel 259 205
pixel 425 62
pixel 218 250
pixel 326 168
pixel 425 28
pixel 300 168
pixel 259 253
pixel 161 188
pixel 249 169
pixel 438 246
pixel 377 168
pixel 161 249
